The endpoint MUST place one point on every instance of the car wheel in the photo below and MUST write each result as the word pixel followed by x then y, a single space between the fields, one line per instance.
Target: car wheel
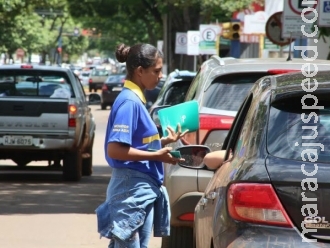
pixel 181 236
pixel 103 106
pixel 87 163
pixel 72 166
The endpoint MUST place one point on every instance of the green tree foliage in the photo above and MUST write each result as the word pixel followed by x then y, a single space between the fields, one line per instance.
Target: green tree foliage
pixel 34 25
pixel 133 21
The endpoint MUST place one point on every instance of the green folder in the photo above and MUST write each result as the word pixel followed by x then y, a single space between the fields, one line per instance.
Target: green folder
pixel 184 113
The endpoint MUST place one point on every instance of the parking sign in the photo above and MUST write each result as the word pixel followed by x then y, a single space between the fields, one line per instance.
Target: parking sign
pixel 209 35
pixel 193 38
pixel 181 43
pixel 292 20
pixel 324 13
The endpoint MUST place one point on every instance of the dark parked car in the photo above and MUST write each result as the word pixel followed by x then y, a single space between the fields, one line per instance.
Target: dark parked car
pixel 111 89
pixel 220 88
pixel 273 189
pixel 174 89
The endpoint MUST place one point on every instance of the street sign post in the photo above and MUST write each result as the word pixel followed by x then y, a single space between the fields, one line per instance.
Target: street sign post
pixel 209 35
pixel 193 38
pixel 181 43
pixel 324 13
pixel 255 24
pixel 274 27
pixel 293 20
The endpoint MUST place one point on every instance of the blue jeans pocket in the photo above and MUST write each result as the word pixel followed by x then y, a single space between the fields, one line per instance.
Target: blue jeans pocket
pixel 103 220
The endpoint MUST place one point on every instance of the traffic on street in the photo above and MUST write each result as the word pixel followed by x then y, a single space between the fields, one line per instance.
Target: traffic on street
pixel 39 209
pixel 164 124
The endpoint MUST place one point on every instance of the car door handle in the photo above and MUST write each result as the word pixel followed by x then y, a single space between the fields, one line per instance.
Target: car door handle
pixel 212 195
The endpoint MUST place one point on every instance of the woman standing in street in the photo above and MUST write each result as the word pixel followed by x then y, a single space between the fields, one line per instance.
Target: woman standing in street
pixel 136 201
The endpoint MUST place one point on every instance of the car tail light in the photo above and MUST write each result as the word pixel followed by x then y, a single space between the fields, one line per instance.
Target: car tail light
pixel 90 81
pixel 26 66
pixel 72 109
pixel 281 71
pixel 256 203
pixel 72 115
pixel 104 87
pixel 187 217
pixel 72 122
pixel 212 122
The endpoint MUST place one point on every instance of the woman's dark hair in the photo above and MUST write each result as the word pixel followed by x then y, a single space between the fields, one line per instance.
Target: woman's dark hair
pixel 144 55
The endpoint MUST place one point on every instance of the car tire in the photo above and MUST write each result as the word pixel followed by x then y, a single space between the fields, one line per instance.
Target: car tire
pixel 103 106
pixel 87 163
pixel 72 163
pixel 181 236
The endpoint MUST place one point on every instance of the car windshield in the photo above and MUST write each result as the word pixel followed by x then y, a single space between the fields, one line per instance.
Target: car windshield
pixel 294 133
pixel 116 78
pixel 229 91
pixel 176 92
pixel 99 73
pixel 34 83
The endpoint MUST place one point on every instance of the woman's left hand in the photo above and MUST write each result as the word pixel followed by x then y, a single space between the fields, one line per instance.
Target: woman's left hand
pixel 172 135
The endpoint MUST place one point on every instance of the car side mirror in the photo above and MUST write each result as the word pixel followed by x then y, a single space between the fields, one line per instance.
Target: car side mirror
pixel 94 99
pixel 193 156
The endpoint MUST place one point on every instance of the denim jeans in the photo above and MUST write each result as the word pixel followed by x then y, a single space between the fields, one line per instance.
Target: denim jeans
pixel 134 203
pixel 142 235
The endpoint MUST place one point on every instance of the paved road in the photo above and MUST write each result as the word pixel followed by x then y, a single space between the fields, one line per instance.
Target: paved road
pixel 38 209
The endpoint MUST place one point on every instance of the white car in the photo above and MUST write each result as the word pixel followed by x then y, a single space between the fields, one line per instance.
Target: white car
pixel 84 77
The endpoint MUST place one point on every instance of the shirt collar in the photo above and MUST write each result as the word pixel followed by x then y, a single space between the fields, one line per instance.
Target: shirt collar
pixel 136 89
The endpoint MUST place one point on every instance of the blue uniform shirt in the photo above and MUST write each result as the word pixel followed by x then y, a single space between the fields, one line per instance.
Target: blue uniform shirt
pixel 130 123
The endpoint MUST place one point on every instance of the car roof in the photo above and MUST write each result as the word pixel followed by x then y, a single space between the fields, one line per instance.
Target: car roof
pixel 233 65
pixel 231 60
pixel 34 67
pixel 117 74
pixel 181 73
pixel 293 82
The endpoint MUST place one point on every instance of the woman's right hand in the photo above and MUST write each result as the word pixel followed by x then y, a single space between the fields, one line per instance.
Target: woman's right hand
pixel 165 156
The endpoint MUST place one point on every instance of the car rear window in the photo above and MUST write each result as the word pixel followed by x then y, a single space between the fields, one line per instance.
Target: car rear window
pixel 35 84
pixel 99 73
pixel 116 78
pixel 227 92
pixel 176 92
pixel 292 131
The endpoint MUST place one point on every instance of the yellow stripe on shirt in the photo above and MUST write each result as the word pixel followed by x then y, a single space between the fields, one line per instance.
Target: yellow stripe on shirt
pixel 150 139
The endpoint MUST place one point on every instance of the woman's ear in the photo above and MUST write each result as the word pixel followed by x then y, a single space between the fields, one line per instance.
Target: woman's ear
pixel 139 71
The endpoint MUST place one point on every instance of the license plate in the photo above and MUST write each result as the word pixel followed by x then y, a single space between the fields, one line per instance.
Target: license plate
pixel 117 88
pixel 17 140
